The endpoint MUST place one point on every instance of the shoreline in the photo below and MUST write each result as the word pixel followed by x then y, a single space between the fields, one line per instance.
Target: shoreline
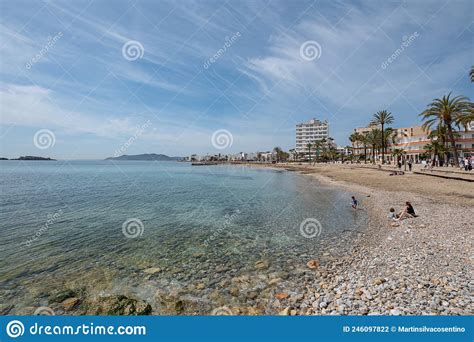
pixel 420 267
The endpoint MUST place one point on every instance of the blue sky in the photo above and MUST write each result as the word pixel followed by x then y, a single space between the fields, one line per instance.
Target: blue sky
pixel 94 101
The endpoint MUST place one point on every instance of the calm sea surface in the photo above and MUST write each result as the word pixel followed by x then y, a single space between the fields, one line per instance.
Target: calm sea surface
pixel 98 225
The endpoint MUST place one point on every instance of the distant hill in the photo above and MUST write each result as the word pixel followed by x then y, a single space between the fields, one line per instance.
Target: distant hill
pixel 149 156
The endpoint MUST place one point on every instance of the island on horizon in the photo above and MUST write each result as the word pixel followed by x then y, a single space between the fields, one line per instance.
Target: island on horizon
pixel 146 157
pixel 29 158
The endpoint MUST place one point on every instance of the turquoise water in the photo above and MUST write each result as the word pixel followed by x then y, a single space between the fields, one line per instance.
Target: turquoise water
pixel 63 225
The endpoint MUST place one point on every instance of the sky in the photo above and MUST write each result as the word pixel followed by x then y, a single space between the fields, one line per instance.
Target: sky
pixel 93 79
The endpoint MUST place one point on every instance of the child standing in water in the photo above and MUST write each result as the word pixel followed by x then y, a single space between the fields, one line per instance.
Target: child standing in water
pixel 355 203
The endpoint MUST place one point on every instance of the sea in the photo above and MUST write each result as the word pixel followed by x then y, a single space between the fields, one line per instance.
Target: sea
pixel 185 239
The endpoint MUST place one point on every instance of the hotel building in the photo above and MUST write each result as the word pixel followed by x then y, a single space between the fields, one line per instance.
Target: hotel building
pixel 414 139
pixel 309 132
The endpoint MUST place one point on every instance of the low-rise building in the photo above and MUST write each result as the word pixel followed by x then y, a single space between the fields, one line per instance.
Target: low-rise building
pixel 344 150
pixel 412 140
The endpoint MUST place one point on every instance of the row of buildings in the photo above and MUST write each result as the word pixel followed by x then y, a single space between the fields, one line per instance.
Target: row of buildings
pixel 413 140
pixel 265 156
pixel 311 131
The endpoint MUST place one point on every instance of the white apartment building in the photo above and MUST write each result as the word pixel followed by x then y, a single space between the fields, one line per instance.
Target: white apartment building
pixel 309 132
pixel 343 150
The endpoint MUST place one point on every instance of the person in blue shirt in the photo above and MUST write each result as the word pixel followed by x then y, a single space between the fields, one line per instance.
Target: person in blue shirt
pixel 355 203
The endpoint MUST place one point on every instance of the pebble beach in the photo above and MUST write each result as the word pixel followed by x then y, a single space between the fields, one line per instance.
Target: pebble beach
pixel 419 266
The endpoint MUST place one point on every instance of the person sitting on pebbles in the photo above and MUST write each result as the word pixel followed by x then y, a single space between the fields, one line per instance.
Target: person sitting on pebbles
pixel 392 216
pixel 408 212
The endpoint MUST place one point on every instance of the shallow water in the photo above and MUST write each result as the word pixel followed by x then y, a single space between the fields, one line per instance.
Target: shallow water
pixel 62 226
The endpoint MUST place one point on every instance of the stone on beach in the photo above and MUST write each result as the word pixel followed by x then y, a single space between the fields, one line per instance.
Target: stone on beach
pixel 285 312
pixel 274 281
pixel 70 303
pixel 119 305
pixel 262 264
pixel 152 270
pixel 282 295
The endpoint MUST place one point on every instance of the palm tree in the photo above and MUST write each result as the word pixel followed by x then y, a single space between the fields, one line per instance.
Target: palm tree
pixel 373 140
pixel 354 138
pixel 308 146
pixel 389 137
pixel 435 148
pixel 363 140
pixel 398 153
pixel 324 147
pixel 317 146
pixel 382 118
pixel 293 153
pixel 439 134
pixel 278 151
pixel 448 112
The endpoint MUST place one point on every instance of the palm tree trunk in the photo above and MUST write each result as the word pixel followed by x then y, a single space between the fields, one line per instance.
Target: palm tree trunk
pixel 365 154
pixel 383 146
pixel 446 149
pixel 453 144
